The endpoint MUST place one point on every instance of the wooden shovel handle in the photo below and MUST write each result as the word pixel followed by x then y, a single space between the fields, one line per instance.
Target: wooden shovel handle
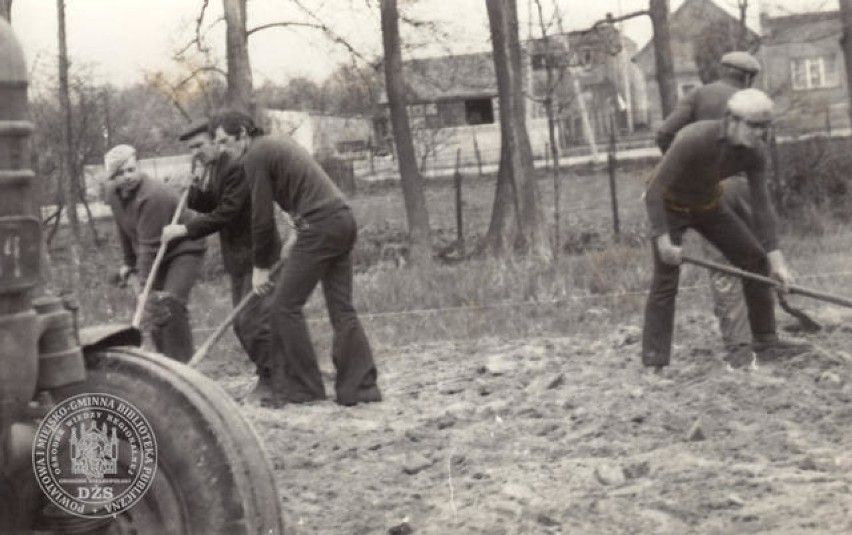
pixel 793 289
pixel 161 252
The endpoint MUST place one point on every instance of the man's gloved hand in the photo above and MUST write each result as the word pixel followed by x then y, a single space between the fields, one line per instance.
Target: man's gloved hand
pixel 670 253
pixel 778 269
pixel 260 281
pixel 172 232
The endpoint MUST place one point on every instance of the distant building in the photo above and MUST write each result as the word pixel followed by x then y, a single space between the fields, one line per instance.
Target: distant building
pixel 453 100
pixel 685 24
pixel 805 72
pixel 321 134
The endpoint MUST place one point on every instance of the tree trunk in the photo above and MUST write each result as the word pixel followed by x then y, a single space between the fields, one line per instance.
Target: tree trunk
pixel 412 181
pixel 239 66
pixel 664 65
pixel 93 228
pixel 846 44
pixel 516 221
pixel 70 182
pixel 6 9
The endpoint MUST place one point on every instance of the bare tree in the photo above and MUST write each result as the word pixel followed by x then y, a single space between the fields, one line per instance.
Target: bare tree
pixel 412 181
pixel 846 43
pixel 239 66
pixel 69 178
pixel 553 100
pixel 516 220
pixel 659 12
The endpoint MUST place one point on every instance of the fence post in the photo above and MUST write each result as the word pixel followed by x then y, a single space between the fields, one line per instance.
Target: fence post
pixel 459 211
pixel 476 152
pixel 371 149
pixel 611 165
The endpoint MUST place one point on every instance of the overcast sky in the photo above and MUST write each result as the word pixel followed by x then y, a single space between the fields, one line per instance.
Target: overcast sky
pixel 122 39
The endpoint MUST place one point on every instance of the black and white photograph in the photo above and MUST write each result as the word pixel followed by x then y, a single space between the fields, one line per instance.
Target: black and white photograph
pixel 425 267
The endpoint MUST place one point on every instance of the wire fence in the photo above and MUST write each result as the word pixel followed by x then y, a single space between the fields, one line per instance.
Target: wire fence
pixel 572 299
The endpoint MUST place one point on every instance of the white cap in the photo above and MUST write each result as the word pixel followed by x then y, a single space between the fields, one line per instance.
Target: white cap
pixel 752 105
pixel 116 157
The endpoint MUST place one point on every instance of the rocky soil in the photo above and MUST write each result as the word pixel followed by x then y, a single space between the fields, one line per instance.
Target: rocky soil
pixel 571 435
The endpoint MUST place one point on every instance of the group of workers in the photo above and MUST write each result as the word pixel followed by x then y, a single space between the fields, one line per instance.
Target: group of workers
pixel 241 174
pixel 711 178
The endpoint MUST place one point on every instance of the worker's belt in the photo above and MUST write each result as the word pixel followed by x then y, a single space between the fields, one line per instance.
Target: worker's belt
pixel 676 206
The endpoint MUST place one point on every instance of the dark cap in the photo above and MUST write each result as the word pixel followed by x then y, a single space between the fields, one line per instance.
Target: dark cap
pixel 194 129
pixel 742 61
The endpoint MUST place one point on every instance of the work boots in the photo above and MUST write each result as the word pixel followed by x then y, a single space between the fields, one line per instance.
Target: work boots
pixel 741 357
pixel 264 394
pixel 780 348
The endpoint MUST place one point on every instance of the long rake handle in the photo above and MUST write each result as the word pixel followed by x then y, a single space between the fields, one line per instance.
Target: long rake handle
pixel 793 289
pixel 161 252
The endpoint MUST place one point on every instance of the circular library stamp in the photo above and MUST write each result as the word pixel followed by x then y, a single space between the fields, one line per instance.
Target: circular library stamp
pixel 94 455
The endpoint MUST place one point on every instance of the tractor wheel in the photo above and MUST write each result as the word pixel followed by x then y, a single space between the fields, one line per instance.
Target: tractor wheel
pixel 212 475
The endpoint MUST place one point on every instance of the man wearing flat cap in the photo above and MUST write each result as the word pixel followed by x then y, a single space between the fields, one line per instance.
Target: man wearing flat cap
pixel 142 206
pixel 708 101
pixel 221 195
pixel 738 70
pixel 685 192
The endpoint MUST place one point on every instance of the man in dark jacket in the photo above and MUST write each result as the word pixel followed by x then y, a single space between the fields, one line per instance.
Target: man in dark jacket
pixel 221 194
pixel 142 206
pixel 280 171
pixel 738 70
pixel 685 192
pixel 709 101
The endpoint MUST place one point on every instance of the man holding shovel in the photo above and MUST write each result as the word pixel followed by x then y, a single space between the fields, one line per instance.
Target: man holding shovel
pixel 142 206
pixel 685 192
pixel 280 171
pixel 738 71
pixel 221 195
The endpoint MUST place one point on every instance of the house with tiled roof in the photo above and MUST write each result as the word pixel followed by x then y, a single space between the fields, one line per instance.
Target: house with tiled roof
pixel 804 71
pixel 686 23
pixel 453 100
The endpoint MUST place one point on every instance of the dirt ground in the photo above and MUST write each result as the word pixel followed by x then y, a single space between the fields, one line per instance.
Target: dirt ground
pixel 571 435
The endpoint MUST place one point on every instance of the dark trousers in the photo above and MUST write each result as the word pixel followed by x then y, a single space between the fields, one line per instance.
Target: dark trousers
pixel 252 324
pixel 170 329
pixel 730 235
pixel 322 253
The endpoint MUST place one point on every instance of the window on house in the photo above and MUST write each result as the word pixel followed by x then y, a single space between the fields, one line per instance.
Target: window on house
pixel 814 72
pixel 423 115
pixel 478 111
pixel 539 62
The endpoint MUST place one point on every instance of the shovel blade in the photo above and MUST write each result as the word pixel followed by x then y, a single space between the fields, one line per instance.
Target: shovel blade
pixel 110 335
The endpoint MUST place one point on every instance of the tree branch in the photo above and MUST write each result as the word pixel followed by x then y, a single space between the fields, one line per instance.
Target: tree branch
pixel 612 20
pixel 286 25
pixel 331 34
pixel 198 41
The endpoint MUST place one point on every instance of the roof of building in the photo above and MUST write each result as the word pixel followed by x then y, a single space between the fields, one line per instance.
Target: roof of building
pixel 466 76
pixel 682 28
pixel 460 76
pixel 801 27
